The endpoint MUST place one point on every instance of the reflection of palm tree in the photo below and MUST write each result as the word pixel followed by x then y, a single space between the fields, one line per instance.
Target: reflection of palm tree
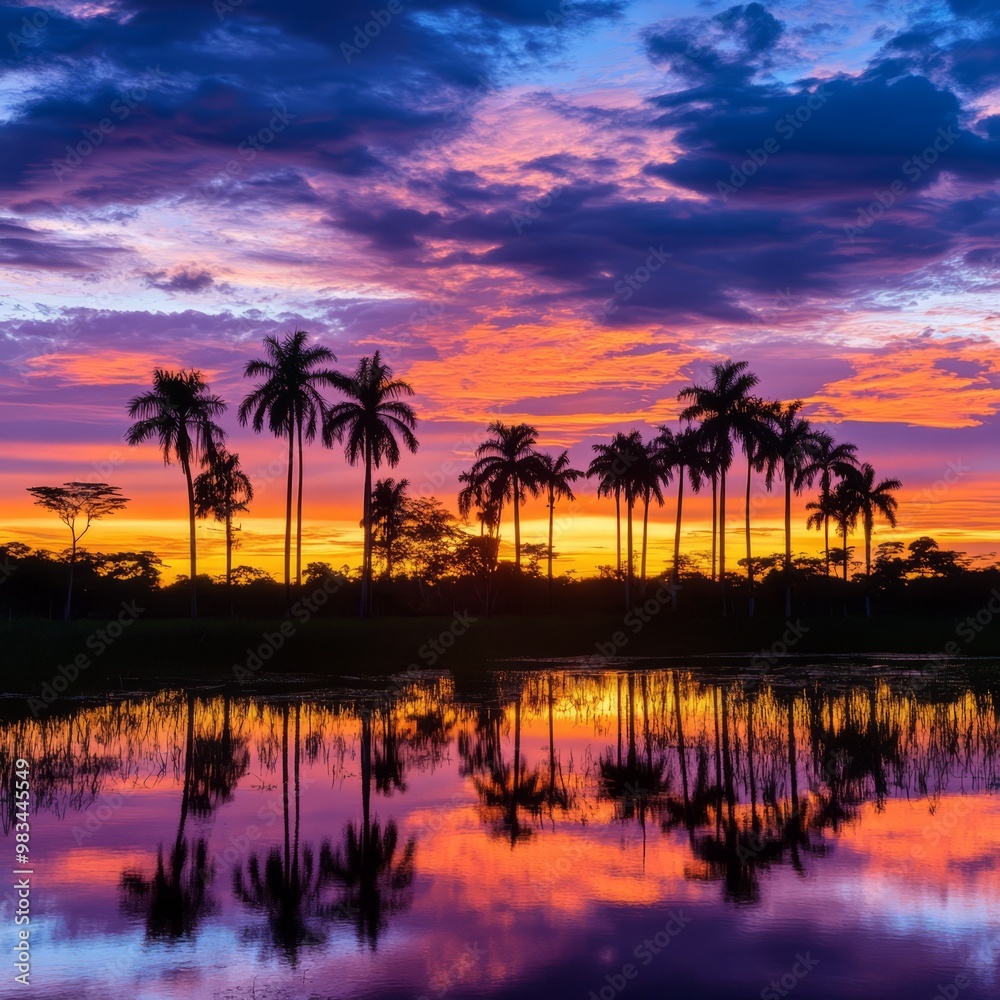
pixel 289 885
pixel 219 762
pixel 637 781
pixel 509 788
pixel 175 898
pixel 373 874
pixel 556 795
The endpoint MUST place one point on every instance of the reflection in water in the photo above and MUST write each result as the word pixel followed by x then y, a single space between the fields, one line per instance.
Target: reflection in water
pixel 311 832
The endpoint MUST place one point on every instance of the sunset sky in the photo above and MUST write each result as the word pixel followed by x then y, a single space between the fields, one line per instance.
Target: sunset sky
pixel 467 190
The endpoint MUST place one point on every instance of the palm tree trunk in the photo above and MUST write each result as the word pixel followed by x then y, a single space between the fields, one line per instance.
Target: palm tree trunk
pixel 715 518
pixel 298 519
pixel 367 520
pixel 192 542
pixel 868 567
pixel 517 525
pixel 288 519
pixel 628 555
pixel 552 513
pixel 229 559
pixel 788 542
pixel 676 574
pixel 618 527
pixel 749 547
pixel 722 536
pixel 645 535
pixel 845 552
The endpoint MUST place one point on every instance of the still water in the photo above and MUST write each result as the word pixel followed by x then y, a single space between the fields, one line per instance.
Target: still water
pixel 553 833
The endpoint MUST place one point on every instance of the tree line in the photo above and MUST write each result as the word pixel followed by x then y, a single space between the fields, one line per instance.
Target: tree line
pixel 369 416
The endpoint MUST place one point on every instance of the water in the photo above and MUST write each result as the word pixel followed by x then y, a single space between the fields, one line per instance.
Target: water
pixel 547 834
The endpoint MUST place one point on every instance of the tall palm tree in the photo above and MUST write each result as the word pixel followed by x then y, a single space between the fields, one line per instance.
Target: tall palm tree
pixel 369 421
pixel 388 510
pixel 684 451
pixel 829 460
pixel 508 468
pixel 754 428
pixel 610 467
pixel 289 400
pixel 869 500
pixel 557 477
pixel 648 476
pixel 180 414
pixel 223 490
pixel 795 451
pixel 718 407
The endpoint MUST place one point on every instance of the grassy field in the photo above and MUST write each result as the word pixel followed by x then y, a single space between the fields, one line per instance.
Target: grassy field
pixel 142 651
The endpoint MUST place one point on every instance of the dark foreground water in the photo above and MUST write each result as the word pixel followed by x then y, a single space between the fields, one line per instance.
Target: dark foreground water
pixel 553 834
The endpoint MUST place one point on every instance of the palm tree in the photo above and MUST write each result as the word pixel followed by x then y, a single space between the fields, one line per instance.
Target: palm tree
pixel 868 501
pixel 838 506
pixel 180 414
pixel 718 407
pixel 685 452
pixel 829 460
pixel 647 476
pixel 223 490
pixel 556 479
pixel 796 446
pixel 388 511
pixel 754 427
pixel 370 420
pixel 288 399
pixel 507 467
pixel 610 468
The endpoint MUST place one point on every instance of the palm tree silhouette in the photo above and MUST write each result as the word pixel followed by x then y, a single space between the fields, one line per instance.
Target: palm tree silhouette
pixel 223 490
pixel 719 407
pixel 610 468
pixel 507 468
pixel 289 401
pixel 795 449
pixel 370 420
pixel 648 474
pixel 754 427
pixel 685 452
pixel 180 414
pixel 868 501
pixel 557 477
pixel 829 460
pixel 388 511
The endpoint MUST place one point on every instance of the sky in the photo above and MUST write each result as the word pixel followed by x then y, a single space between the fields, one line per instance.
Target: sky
pixel 557 213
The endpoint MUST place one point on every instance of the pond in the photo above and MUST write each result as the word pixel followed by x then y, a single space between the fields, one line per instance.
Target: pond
pixel 546 833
